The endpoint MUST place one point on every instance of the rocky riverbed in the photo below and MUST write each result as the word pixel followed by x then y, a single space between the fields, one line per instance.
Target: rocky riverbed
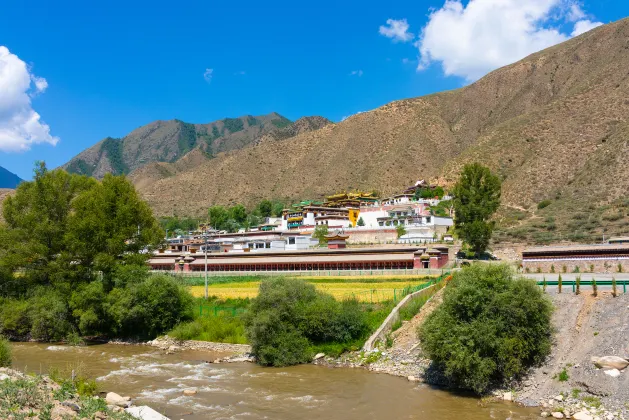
pixel 39 397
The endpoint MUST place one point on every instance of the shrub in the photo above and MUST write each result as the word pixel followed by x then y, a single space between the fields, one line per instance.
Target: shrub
pixel 489 328
pixel 552 268
pixel 614 288
pixel 543 204
pixel 577 281
pixel 564 269
pixel 14 319
pixel 5 352
pixel 559 284
pixel 49 316
pixel 594 287
pixel 289 316
pixel 147 309
pixel 544 284
pixel 619 267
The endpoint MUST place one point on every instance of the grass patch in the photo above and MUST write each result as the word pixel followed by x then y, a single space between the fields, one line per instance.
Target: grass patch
pixel 592 401
pixel 563 376
pixel 5 352
pixel 219 329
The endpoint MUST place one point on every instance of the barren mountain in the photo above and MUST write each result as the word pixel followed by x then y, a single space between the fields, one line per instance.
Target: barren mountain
pixel 554 125
pixel 8 179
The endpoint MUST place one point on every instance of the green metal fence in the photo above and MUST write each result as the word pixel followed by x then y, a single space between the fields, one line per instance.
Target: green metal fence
pixel 379 295
pixel 573 283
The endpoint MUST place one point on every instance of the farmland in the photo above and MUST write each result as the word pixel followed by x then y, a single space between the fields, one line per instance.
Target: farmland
pixel 365 289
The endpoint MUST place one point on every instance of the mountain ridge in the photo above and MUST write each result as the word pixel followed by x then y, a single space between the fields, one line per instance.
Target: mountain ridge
pixel 8 180
pixel 553 125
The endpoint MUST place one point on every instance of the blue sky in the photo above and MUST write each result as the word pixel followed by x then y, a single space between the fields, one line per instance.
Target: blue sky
pixel 96 69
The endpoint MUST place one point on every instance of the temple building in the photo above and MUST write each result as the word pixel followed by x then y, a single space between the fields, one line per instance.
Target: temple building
pixel 599 258
pixel 407 258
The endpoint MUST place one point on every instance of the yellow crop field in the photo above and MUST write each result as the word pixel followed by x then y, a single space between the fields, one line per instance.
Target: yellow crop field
pixel 365 292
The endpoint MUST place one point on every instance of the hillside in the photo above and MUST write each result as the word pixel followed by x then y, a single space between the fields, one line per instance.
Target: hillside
pixel 554 125
pixel 168 141
pixel 8 179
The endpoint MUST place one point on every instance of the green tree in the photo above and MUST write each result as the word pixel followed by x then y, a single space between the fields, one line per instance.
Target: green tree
pixel 278 208
pixel 238 213
pixel 491 327
pixel 265 208
pixel 360 222
pixel 320 233
pixel 401 231
pixel 218 217
pixel 476 198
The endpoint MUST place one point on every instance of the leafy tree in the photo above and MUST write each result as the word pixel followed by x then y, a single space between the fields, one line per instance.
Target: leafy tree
pixel 278 208
pixel 476 198
pixel 238 213
pixel 360 222
pixel 218 217
pixel 265 208
pixel 490 328
pixel 401 231
pixel 320 233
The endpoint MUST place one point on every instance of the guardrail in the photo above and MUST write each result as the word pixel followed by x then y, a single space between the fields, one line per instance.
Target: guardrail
pixel 573 283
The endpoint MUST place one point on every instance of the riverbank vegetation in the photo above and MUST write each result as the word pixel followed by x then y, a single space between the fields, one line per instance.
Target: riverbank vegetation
pixel 73 254
pixel 6 358
pixel 491 327
pixel 23 397
pixel 290 317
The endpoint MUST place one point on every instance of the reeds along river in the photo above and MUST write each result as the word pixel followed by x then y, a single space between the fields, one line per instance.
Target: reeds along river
pixel 247 391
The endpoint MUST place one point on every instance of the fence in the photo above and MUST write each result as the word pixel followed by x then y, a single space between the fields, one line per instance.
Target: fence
pixel 308 273
pixel 573 283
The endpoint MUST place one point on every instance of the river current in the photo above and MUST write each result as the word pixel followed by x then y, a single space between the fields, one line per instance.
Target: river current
pixel 247 391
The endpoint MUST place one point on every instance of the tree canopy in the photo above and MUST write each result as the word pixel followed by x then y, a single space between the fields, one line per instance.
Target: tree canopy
pixel 64 228
pixel 476 199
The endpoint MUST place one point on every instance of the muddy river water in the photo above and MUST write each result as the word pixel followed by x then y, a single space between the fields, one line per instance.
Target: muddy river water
pixel 247 391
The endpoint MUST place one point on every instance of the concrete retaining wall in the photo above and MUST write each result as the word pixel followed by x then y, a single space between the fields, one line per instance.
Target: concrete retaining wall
pixel 385 328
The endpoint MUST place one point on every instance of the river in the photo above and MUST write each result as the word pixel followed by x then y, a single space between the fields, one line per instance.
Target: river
pixel 247 391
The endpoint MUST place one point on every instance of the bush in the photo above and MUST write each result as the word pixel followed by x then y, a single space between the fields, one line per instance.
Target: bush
pixel 14 319
pixel 491 327
pixel 149 308
pixel 289 316
pixel 49 315
pixel 5 352
pixel 543 204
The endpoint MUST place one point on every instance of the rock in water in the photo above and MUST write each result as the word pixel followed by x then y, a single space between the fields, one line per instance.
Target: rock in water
pixel 144 412
pixel 582 415
pixel 611 362
pixel 507 396
pixel 115 399
pixel 319 356
pixel 557 415
pixel 189 392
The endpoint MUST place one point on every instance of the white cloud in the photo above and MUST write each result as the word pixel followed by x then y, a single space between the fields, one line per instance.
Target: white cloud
pixel 207 75
pixel 20 125
pixel 583 26
pixel 575 13
pixel 351 115
pixel 473 39
pixel 358 73
pixel 396 30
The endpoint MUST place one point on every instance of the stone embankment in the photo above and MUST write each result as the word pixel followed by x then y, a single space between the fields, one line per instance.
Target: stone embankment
pixel 239 352
pixel 586 372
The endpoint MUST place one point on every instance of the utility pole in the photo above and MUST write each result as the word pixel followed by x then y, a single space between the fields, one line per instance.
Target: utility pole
pixel 205 236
